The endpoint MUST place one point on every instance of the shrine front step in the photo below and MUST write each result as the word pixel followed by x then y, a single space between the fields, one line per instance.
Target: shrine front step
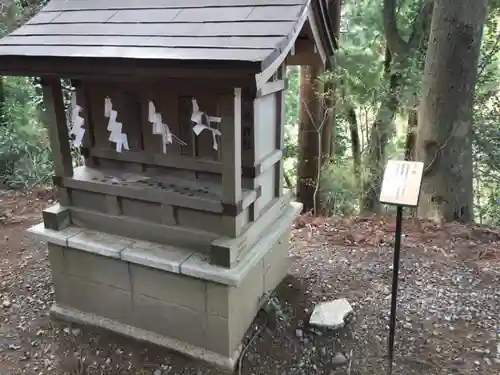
pixel 165 295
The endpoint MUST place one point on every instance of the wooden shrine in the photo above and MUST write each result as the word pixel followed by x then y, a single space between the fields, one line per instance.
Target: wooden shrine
pixel 177 223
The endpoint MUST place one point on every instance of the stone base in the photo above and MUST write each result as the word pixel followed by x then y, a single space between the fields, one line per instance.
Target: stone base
pixel 165 295
pixel 76 316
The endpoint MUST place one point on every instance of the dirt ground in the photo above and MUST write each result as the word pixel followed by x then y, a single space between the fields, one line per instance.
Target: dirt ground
pixel 448 313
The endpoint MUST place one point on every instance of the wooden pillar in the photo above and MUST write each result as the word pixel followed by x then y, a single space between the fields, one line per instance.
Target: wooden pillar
pixel 57 127
pixel 231 172
pixel 280 133
pixel 231 155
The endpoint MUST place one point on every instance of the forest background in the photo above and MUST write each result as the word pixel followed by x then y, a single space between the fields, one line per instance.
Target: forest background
pixel 390 93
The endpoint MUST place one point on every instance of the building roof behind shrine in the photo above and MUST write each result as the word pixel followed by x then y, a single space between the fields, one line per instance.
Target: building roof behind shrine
pixel 231 30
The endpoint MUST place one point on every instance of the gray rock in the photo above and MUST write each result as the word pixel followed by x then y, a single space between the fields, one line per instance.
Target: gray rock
pixel 157 372
pixel 339 359
pixel 332 314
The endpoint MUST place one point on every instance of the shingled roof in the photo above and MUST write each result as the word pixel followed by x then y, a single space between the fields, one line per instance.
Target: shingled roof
pixel 232 30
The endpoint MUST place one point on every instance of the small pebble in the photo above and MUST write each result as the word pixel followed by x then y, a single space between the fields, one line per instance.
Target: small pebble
pixel 6 304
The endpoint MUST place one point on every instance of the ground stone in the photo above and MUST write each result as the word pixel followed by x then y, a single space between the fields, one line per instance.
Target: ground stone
pixel 339 359
pixel 332 314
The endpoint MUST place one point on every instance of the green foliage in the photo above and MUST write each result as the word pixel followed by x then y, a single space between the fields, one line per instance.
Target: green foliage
pixel 292 112
pixel 360 83
pixel 487 124
pixel 340 191
pixel 25 158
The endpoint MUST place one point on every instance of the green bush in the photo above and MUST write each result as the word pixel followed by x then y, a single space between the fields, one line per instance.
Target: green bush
pixel 25 156
pixel 339 194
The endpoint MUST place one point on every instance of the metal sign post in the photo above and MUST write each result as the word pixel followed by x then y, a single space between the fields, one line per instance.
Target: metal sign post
pixel 401 188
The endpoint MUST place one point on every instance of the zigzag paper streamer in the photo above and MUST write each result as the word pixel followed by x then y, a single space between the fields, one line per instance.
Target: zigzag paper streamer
pixel 197 117
pixel 77 122
pixel 160 128
pixel 114 127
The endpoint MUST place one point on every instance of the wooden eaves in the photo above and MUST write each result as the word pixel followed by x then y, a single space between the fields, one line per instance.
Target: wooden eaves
pixel 93 37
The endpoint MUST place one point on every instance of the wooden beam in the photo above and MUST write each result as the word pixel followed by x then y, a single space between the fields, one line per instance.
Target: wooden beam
pixel 269 161
pixel 316 34
pixel 280 134
pixel 232 168
pixel 227 252
pixel 170 161
pixel 304 54
pixel 125 68
pixel 57 127
pixel 197 240
pixel 271 67
pixel 272 87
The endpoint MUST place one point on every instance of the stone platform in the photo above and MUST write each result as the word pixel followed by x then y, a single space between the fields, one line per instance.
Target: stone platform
pixel 165 295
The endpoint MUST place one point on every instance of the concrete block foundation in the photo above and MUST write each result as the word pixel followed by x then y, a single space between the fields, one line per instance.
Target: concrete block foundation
pixel 180 300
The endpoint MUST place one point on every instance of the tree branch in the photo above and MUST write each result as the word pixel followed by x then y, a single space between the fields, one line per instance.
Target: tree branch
pixel 394 40
pixel 421 23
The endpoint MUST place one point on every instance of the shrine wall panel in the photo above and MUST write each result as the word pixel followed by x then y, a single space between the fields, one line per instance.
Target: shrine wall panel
pixel 173 106
pixel 265 126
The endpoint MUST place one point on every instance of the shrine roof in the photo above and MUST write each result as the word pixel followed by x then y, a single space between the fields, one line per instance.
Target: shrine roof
pixel 230 30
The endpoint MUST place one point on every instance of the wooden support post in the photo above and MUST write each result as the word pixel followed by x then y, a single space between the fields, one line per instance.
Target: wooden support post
pixel 280 134
pixel 231 164
pixel 56 217
pixel 231 154
pixel 57 127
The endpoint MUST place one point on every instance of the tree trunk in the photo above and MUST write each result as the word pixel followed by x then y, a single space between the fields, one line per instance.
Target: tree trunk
pixel 411 134
pixel 309 137
pixel 380 134
pixel 328 136
pixel 398 51
pixel 355 142
pixel 444 140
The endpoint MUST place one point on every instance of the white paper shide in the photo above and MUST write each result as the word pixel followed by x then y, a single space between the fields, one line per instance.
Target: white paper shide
pixel 114 127
pixel 77 122
pixel 197 117
pixel 161 128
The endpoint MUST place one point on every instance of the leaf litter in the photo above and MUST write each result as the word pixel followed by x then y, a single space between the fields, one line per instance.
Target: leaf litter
pixel 448 307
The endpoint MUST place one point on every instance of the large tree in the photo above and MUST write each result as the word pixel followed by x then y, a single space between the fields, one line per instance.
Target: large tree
pixel 444 139
pixel 316 123
pixel 400 52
